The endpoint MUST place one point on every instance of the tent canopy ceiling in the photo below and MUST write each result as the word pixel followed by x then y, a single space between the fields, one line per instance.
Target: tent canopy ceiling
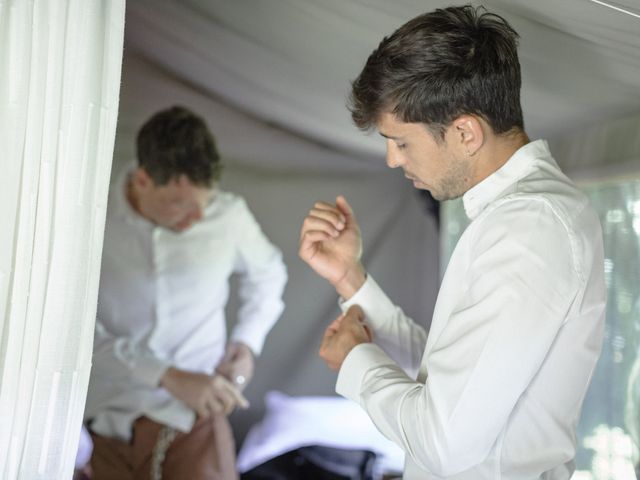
pixel 289 62
pixel 272 77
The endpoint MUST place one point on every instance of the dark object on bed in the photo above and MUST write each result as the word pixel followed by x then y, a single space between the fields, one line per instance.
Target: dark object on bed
pixel 316 463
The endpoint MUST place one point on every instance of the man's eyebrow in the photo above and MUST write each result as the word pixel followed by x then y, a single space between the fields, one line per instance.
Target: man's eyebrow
pixel 389 136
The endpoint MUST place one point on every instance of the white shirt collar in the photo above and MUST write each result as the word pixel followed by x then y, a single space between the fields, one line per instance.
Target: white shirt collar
pixel 518 166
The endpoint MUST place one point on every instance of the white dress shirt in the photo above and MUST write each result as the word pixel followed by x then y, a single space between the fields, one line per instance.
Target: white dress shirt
pixel 515 336
pixel 161 303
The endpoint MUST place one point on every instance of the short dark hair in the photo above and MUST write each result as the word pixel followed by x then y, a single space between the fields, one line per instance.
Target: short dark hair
pixel 440 65
pixel 174 142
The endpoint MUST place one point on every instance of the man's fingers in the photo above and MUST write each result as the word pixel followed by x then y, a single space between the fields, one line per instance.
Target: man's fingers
pixel 328 333
pixel 241 400
pixel 330 208
pixel 345 208
pixel 320 224
pixel 308 247
pixel 233 394
pixel 325 348
pixel 354 319
pixel 356 312
pixel 217 407
pixel 367 329
pixel 332 216
pixel 336 323
pixel 203 410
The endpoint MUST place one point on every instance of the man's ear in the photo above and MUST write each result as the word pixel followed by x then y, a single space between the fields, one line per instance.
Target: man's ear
pixel 141 179
pixel 468 133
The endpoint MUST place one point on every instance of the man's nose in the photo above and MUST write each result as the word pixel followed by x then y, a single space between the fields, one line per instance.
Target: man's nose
pixel 393 159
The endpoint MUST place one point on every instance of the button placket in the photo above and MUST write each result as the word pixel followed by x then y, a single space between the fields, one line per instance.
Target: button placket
pixel 161 294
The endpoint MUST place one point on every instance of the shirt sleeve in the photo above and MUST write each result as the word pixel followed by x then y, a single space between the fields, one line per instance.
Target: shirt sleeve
pixel 117 357
pixel 398 335
pixel 519 287
pixel 262 278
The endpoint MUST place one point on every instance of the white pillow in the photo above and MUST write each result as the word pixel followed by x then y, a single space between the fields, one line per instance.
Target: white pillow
pixel 293 422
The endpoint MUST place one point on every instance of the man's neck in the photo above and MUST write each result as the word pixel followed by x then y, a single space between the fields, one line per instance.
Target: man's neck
pixel 497 151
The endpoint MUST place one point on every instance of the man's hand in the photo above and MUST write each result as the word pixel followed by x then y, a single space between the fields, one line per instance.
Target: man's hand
pixel 330 242
pixel 344 333
pixel 206 394
pixel 237 364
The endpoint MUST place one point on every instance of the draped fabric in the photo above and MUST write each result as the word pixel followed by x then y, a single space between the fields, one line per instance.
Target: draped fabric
pixel 60 65
pixel 289 62
pixel 272 78
pixel 609 151
pixel 281 175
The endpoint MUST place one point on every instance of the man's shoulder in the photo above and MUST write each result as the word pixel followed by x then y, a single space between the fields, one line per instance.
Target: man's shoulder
pixel 534 213
pixel 227 202
pixel 229 209
pixel 546 191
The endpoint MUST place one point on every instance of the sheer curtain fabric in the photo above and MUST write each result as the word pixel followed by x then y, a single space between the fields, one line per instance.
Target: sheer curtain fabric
pixel 60 68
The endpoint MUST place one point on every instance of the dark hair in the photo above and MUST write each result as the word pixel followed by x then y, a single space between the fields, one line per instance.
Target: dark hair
pixel 175 142
pixel 439 66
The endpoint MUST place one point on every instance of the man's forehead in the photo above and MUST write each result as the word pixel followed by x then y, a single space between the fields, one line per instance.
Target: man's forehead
pixel 182 185
pixel 183 181
pixel 391 127
pixel 387 125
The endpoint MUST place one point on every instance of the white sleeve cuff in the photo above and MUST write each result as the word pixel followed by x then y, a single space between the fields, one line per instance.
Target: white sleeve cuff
pixel 360 360
pixel 251 339
pixel 374 302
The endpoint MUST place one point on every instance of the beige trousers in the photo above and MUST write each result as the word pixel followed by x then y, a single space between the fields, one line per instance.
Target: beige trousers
pixel 207 452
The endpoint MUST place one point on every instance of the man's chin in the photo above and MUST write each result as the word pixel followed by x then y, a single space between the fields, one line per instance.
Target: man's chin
pixel 180 227
pixel 439 196
pixel 423 186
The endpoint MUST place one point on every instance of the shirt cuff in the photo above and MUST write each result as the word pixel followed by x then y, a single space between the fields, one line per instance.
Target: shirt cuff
pixel 374 302
pixel 250 339
pixel 360 360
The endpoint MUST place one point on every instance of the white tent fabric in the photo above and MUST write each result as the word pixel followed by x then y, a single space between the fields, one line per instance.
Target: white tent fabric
pixel 289 62
pixel 60 67
pixel 401 240
pixel 610 150
pixel 272 78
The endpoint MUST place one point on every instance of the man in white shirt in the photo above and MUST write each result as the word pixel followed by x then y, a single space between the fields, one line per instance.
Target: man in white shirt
pixel 164 377
pixel 494 390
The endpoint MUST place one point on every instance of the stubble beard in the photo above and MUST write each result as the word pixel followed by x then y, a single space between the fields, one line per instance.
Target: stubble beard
pixel 455 181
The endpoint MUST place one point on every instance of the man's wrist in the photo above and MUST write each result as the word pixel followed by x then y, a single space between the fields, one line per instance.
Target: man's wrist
pixel 352 281
pixel 168 377
pixel 243 346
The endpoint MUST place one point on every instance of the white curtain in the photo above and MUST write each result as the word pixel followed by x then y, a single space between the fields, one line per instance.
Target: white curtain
pixel 60 65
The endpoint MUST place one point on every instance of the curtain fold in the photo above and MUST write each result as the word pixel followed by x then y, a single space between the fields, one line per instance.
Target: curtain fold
pixel 60 65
